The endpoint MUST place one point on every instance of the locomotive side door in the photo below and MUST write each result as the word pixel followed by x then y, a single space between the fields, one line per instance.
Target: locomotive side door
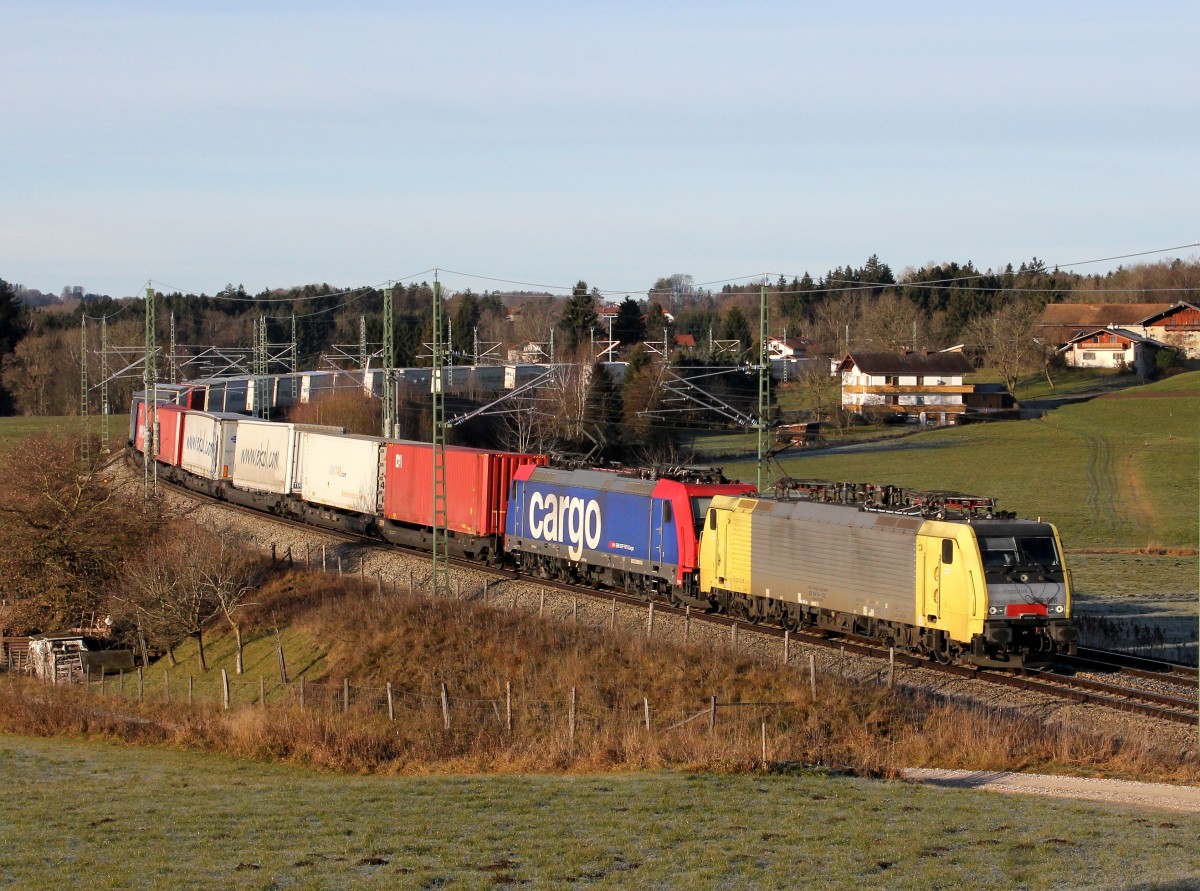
pixel 930 553
pixel 660 518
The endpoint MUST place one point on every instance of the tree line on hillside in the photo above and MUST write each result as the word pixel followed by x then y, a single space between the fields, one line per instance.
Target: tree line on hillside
pixel 865 308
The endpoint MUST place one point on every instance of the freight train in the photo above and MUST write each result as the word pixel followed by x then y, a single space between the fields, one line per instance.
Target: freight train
pixel 946 576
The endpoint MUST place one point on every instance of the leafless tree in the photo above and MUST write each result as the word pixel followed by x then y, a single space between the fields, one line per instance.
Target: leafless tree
pixel 1005 340
pixel 820 389
pixel 230 574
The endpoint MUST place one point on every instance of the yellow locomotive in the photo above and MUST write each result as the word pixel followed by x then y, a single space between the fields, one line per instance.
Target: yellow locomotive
pixel 946 576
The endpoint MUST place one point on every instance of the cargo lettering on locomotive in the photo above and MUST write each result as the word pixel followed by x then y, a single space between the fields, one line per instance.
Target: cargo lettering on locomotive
pixel 565 520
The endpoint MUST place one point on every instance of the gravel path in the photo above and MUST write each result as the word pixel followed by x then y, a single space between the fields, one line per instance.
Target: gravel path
pixel 1157 795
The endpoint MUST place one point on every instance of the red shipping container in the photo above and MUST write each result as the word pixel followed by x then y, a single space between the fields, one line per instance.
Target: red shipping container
pixel 477 483
pixel 170 432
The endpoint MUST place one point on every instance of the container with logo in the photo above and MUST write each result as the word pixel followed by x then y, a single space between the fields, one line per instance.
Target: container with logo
pixel 209 440
pixel 339 470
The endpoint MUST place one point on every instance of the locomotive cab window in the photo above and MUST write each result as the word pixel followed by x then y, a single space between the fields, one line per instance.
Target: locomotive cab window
pixel 1004 552
pixel 712 519
pixel 947 550
pixel 667 514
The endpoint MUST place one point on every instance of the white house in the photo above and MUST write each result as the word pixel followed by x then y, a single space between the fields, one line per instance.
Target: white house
pixel 1112 348
pixel 905 383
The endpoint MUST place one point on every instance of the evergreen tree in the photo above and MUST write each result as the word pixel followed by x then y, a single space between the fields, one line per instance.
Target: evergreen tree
pixel 656 323
pixel 604 410
pixel 629 327
pixel 12 329
pixel 735 327
pixel 465 318
pixel 579 317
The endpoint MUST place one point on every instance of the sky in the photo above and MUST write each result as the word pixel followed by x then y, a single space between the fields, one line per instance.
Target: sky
pixel 271 144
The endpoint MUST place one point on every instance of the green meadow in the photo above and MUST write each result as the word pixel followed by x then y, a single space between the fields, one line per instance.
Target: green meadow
pixel 106 817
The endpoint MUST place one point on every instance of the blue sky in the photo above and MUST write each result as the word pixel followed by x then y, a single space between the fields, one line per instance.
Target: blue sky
pixel 275 144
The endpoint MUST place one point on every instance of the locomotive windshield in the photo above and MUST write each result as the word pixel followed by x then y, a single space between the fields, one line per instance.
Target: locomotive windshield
pixel 1005 552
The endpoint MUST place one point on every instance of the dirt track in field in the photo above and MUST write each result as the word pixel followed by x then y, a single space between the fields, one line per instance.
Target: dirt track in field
pixel 1156 795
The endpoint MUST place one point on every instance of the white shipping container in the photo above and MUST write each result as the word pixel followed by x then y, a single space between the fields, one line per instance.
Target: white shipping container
pixel 339 471
pixel 264 456
pixel 208 444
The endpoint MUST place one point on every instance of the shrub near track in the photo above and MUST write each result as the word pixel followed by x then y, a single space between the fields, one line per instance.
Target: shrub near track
pixel 417 643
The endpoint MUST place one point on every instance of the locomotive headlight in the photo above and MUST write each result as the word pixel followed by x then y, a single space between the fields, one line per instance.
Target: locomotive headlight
pixel 993 610
pixel 1058 608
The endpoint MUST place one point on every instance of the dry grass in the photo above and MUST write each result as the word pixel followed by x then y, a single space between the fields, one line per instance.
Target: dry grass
pixel 417 644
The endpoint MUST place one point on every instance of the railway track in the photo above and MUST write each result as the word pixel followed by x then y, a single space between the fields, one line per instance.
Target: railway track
pixel 1131 699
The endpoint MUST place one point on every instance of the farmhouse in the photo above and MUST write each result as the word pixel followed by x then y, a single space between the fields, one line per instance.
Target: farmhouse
pixel 909 383
pixel 1112 348
pixel 1176 325
pixel 788 347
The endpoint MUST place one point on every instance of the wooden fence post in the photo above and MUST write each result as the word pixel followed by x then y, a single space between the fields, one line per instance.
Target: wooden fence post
pixel 508 706
pixel 322 558
pixel 308 556
pixel 283 675
pixel 891 667
pixel 339 556
pixel 274 558
pixel 733 637
pixel 687 623
pixel 764 745
pixel 787 644
pixel 379 584
pixel 612 616
pixel 345 695
pixel 411 582
pixel 541 602
pixel 302 693
pixel 571 720
pixel 190 680
pixel 575 609
pixel 391 708
pixel 225 689
pixel 712 714
pixel 445 706
pixel 650 622
pixel 812 675
pixel 141 684
pixel 646 708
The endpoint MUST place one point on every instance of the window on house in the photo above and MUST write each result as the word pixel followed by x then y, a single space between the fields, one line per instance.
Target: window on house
pixel 1088 357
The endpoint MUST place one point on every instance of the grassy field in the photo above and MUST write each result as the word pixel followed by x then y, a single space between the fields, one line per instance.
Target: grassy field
pixel 115 817
pixel 17 427
pixel 1116 471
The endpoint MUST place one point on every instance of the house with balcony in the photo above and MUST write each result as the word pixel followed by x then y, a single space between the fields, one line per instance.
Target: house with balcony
pixel 1176 325
pixel 1112 348
pixel 922 385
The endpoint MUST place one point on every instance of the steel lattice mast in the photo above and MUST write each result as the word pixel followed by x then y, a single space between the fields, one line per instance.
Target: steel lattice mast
pixel 764 385
pixel 441 556
pixel 150 381
pixel 389 362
